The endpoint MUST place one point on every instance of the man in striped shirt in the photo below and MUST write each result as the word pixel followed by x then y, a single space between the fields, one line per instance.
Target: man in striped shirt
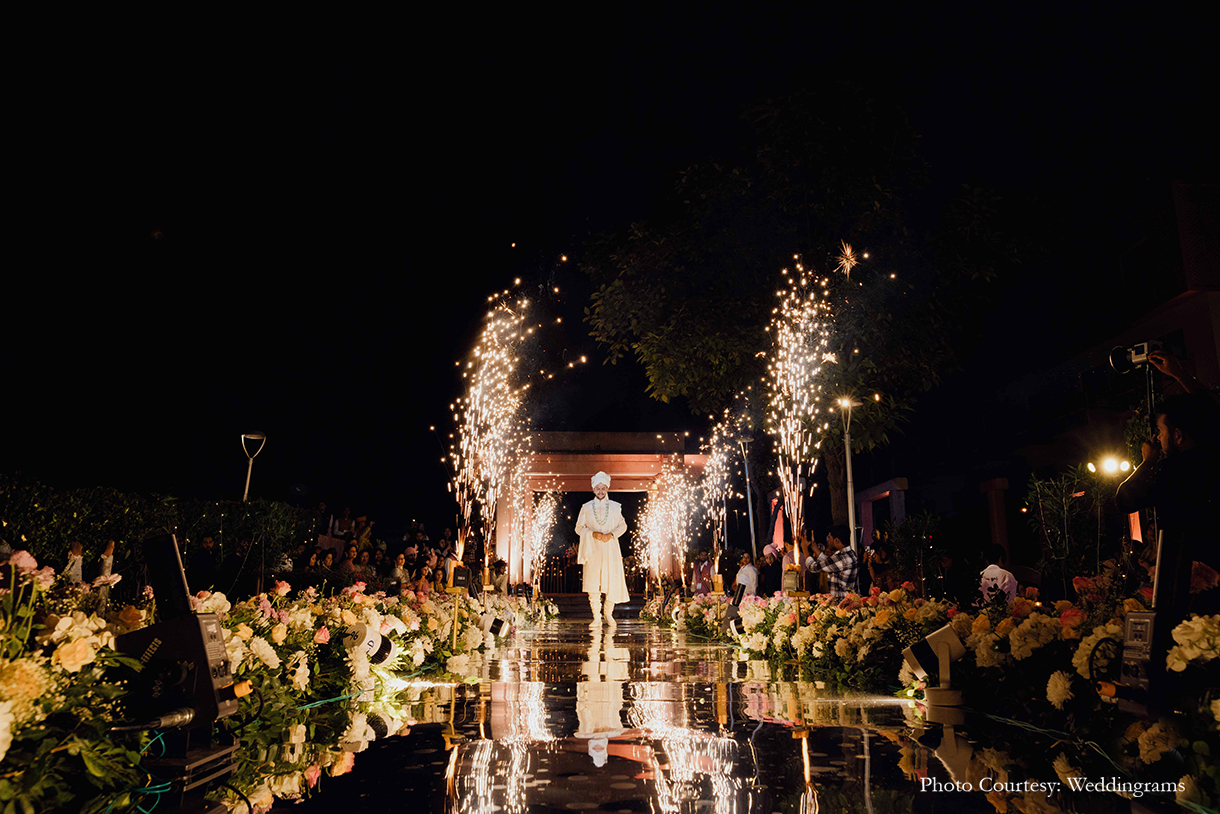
pixel 838 560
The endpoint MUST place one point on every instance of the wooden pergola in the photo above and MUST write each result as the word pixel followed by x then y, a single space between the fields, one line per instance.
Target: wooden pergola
pixel 566 461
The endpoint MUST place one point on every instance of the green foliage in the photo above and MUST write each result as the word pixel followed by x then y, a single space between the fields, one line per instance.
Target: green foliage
pixel 1063 513
pixel 688 294
pixel 45 520
pixel 915 549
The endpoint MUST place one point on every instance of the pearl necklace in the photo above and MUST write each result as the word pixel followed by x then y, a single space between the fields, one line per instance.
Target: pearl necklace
pixel 601 521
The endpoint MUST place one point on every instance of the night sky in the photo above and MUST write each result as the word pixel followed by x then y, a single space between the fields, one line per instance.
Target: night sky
pixel 295 230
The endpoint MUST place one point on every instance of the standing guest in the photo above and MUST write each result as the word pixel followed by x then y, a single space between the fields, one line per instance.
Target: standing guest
pixel 837 560
pixel 321 521
pixel 994 578
pixel 771 575
pixel 204 570
pixel 344 526
pixel 599 525
pixel 880 566
pixel 700 574
pixel 105 568
pixel 747 575
pixel 499 577
pixel 76 559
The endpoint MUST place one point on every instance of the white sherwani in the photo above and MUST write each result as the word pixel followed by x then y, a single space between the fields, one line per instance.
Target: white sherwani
pixel 603 562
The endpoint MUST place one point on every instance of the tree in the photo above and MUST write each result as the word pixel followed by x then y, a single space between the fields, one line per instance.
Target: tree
pixel 688 294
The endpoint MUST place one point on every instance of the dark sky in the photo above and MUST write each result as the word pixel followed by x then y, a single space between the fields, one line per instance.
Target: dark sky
pixel 295 229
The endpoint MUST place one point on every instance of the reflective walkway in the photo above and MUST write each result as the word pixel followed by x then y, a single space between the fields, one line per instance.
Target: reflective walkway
pixel 566 719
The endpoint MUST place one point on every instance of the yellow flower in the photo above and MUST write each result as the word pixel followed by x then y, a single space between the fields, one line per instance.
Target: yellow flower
pixel 74 655
pixel 131 616
pixel 1005 626
pixel 883 618
pixel 279 633
pixel 981 625
pixel 910 614
pixel 349 618
pixel 1062 605
pixel 1133 605
pixel 243 632
pixel 897 595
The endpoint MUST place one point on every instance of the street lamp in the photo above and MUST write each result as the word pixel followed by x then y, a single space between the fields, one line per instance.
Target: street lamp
pixel 1109 467
pixel 845 405
pixel 251 436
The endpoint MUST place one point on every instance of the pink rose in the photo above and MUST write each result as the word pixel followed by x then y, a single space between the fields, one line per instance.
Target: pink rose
pixel 312 774
pixel 414 624
pixel 322 636
pixel 343 765
pixel 282 588
pixel 908 585
pixel 23 561
pixel 359 587
pixel 1071 617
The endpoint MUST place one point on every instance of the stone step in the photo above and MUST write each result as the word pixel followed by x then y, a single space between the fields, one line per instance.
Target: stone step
pixel 576 606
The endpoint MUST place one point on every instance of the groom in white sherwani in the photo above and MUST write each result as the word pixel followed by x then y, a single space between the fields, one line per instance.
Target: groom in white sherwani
pixel 599 525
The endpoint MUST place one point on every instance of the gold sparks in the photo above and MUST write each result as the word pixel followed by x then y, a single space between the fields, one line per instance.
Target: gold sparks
pixel 847 259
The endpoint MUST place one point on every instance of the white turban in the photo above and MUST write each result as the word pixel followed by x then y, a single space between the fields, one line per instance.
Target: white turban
pixel 602 478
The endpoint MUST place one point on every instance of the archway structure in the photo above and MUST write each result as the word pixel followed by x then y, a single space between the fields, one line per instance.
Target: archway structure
pixel 565 462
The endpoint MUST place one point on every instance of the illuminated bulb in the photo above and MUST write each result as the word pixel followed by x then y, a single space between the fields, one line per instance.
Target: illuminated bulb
pixel 1125 465
pixel 1092 468
pixel 892 276
pixel 1110 465
pixel 517 281
pixel 563 258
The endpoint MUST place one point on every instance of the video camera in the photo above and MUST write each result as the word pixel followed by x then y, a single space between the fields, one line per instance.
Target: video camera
pixel 1125 360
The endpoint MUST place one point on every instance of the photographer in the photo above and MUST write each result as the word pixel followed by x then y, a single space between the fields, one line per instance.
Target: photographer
pixel 1179 478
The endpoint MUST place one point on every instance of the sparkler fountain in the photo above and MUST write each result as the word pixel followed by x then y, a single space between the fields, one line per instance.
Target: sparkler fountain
pixel 492 431
pixel 800 329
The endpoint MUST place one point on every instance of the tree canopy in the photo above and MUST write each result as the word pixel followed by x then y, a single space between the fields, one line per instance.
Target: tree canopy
pixel 689 293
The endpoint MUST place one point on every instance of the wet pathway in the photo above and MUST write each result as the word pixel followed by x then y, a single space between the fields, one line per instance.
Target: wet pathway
pixel 643 720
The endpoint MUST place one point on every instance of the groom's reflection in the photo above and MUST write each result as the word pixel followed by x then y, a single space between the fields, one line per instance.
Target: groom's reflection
pixel 599 708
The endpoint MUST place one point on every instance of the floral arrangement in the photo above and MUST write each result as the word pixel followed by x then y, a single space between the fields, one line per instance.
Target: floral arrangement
pixel 317 701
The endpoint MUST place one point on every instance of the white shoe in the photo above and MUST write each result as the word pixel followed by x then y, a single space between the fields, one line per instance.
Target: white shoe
pixel 609 614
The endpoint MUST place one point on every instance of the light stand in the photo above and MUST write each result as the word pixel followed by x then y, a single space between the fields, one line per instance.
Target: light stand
pixel 744 443
pixel 845 405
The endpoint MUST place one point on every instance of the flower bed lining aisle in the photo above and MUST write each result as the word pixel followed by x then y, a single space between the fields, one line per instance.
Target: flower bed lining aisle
pixel 1031 664
pixel 317 701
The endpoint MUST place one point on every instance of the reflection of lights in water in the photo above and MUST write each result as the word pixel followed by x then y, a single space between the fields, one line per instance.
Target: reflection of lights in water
pixel 692 754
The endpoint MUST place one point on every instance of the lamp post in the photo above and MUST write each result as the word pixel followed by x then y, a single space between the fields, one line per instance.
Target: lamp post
pixel 1109 467
pixel 251 436
pixel 845 405
pixel 744 443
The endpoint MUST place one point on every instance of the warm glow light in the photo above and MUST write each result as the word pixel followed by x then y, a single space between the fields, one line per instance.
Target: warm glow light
pixel 1110 465
pixel 1092 467
pixel 1125 465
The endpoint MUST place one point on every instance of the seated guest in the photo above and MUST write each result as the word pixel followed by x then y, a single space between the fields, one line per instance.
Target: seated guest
pixel 348 566
pixel 995 578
